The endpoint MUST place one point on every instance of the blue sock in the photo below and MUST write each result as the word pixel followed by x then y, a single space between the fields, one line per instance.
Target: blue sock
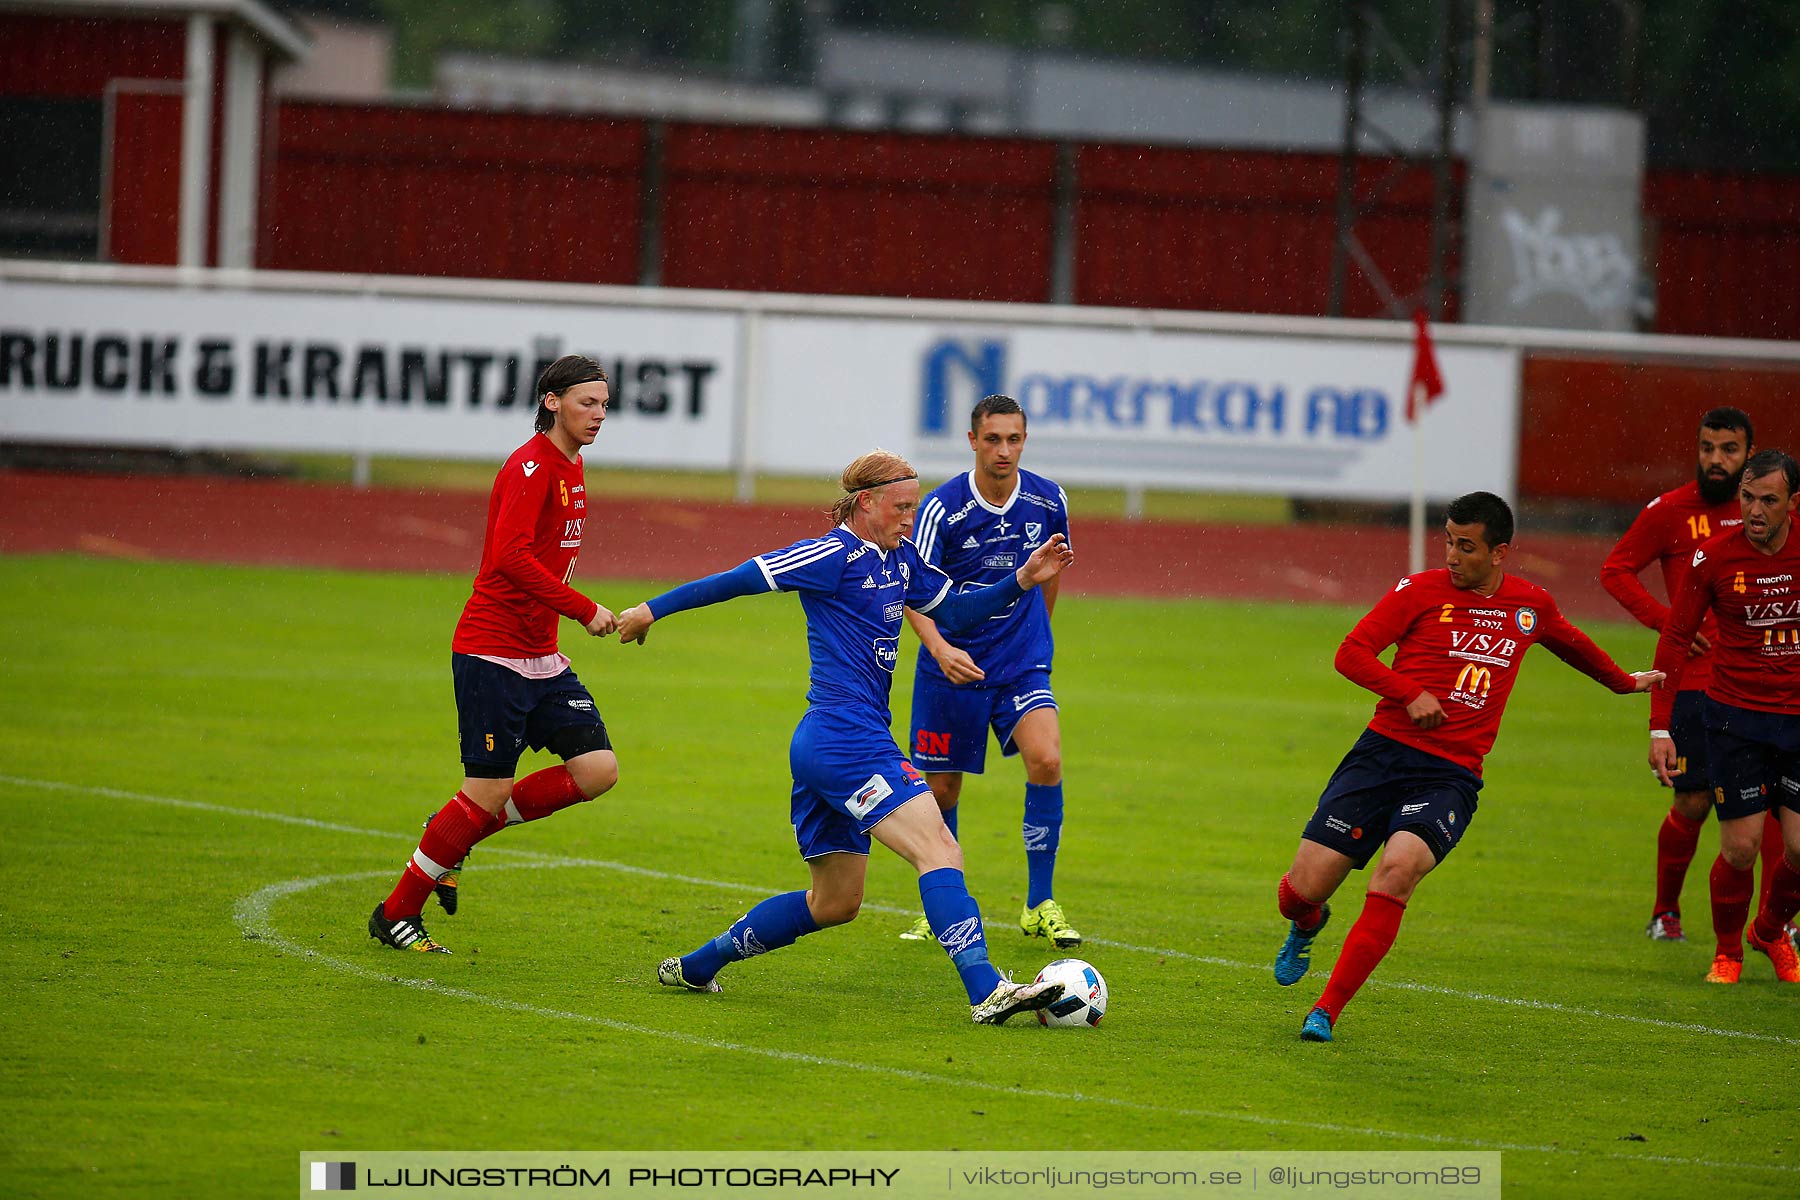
pixel 949 815
pixel 776 922
pixel 957 923
pixel 1043 833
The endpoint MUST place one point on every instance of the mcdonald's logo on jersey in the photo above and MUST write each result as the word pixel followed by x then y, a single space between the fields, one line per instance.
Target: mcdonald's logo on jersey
pixel 1472 685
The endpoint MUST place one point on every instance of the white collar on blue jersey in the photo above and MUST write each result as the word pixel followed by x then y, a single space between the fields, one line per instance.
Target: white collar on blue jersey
pixel 975 490
pixel 845 526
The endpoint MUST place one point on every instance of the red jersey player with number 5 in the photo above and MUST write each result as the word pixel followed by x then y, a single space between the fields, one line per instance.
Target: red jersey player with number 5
pixel 1410 781
pixel 513 687
pixel 1749 578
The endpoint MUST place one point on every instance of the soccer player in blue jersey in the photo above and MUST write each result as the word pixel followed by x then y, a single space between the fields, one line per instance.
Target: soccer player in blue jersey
pixel 979 527
pixel 851 783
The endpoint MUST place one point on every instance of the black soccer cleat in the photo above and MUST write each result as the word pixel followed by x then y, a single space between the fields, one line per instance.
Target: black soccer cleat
pixel 402 933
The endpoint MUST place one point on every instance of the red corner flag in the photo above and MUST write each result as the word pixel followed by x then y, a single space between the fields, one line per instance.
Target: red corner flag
pixel 1427 382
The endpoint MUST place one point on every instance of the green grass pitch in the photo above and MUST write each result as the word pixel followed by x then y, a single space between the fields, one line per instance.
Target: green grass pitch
pixel 211 774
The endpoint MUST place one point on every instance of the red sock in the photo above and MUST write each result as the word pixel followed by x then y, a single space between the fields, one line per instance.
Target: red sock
pixel 1780 902
pixel 1365 946
pixel 1675 843
pixel 1730 906
pixel 1772 850
pixel 1295 907
pixel 456 827
pixel 544 792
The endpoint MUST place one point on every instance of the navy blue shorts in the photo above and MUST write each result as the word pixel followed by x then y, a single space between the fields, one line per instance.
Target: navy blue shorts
pixel 499 712
pixel 1383 787
pixel 848 776
pixel 950 723
pixel 1687 726
pixel 1755 760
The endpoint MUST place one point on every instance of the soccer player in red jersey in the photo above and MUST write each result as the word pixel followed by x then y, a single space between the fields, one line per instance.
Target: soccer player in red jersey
pixel 1411 780
pixel 1749 579
pixel 513 687
pixel 1666 533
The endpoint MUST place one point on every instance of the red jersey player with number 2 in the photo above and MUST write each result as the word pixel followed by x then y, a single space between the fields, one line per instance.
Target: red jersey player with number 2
pixel 513 687
pixel 1749 578
pixel 1411 780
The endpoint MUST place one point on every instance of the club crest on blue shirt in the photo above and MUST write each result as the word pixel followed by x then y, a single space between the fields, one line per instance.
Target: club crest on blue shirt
pixel 1526 619
pixel 1034 533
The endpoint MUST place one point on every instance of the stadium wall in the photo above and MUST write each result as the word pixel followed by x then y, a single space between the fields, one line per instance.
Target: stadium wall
pixel 949 217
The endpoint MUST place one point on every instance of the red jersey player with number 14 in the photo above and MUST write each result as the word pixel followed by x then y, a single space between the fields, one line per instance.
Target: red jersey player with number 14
pixel 1749 578
pixel 1410 781
pixel 513 687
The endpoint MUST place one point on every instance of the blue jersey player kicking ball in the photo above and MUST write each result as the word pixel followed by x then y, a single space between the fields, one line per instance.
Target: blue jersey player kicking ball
pixel 851 783
pixel 979 527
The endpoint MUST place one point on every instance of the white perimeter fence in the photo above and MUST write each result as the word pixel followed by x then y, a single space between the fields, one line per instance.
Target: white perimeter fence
pixel 754 382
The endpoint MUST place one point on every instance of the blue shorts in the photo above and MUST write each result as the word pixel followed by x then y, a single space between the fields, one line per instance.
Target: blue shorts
pixel 1383 787
pixel 1687 725
pixel 499 712
pixel 1755 760
pixel 950 723
pixel 848 776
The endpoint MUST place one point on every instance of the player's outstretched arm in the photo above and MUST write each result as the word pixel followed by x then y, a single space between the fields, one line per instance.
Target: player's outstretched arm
pixel 1046 562
pixel 1646 680
pixel 747 579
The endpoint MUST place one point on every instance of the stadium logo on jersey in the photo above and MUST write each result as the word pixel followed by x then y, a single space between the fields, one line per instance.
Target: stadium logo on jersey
pixel 960 936
pixel 1525 619
pixel 887 652
pixel 971 543
pixel 1034 533
pixel 868 796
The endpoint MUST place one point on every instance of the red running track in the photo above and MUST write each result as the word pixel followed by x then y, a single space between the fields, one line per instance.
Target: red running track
pixel 225 520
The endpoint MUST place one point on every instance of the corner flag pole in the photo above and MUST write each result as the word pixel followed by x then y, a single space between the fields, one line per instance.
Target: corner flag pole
pixel 1425 385
pixel 1416 404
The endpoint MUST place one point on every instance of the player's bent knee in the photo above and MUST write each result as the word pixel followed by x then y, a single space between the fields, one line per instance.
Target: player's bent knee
pixel 1693 805
pixel 1044 770
pixel 595 772
pixel 835 910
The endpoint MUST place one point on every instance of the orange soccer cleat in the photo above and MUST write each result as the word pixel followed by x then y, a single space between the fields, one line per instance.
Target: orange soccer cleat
pixel 1780 952
pixel 1725 970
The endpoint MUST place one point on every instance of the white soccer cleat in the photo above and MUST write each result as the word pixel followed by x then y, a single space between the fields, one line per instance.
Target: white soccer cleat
pixel 1009 999
pixel 668 973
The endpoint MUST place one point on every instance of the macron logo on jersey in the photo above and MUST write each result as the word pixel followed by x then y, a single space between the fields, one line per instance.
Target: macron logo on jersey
pixel 1403 585
pixel 1699 557
pixel 530 468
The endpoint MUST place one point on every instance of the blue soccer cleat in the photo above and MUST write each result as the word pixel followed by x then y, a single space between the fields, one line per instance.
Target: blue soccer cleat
pixel 1317 1027
pixel 1295 956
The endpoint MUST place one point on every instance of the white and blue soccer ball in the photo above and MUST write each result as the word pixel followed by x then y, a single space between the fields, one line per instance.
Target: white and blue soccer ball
pixel 1084 994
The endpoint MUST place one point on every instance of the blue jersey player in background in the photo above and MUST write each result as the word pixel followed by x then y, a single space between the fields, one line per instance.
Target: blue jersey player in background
pixel 851 782
pixel 979 527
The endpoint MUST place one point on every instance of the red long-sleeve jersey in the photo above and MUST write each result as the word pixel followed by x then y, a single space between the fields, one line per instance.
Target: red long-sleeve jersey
pixel 1666 532
pixel 535 517
pixel 1464 648
pixel 1756 598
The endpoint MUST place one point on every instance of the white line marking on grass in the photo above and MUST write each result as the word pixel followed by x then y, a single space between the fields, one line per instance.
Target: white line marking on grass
pixel 252 913
pixel 528 856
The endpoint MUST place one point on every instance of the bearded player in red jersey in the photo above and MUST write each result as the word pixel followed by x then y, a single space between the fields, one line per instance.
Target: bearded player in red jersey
pixel 1749 578
pixel 1666 533
pixel 513 687
pixel 1411 779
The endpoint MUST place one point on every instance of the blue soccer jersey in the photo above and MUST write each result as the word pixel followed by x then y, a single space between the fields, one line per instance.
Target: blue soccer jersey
pixel 853 594
pixel 978 543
